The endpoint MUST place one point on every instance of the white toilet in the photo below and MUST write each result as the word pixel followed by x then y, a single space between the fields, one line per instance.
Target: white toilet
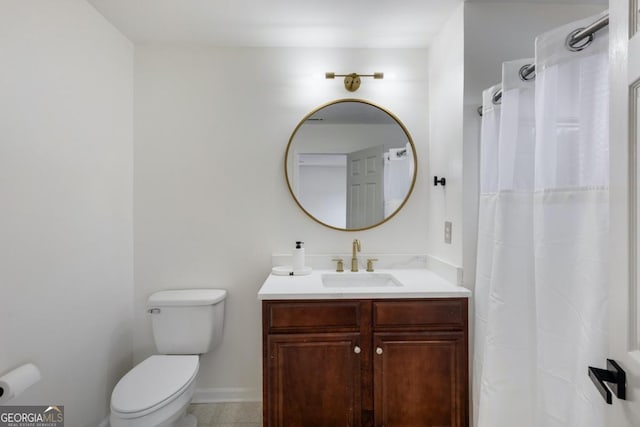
pixel 156 392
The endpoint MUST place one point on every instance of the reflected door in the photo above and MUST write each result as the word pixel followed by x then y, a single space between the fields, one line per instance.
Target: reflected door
pixel 365 173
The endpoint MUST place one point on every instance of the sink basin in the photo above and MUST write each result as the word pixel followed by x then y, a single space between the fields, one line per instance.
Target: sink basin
pixel 359 280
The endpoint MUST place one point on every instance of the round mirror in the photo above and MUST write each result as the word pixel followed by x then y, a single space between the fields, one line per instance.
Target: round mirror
pixel 350 164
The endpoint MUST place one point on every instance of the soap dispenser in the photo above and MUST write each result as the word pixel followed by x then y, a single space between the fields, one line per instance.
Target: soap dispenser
pixel 298 257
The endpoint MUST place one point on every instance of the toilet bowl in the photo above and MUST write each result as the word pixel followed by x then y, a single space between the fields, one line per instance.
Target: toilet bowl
pixel 157 391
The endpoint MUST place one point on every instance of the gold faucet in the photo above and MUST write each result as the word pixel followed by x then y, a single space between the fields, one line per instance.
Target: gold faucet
pixel 354 258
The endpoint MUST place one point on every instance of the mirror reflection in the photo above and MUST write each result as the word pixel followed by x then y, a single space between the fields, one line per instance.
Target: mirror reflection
pixel 350 164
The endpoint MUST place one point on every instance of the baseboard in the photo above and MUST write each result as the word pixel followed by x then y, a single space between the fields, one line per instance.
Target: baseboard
pixel 215 395
pixel 236 394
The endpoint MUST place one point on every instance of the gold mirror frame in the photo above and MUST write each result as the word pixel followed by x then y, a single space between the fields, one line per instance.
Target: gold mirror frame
pixel 396 119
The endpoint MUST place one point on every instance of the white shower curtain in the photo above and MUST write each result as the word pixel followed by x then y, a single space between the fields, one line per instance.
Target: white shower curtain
pixel 541 269
pixel 398 173
pixel 486 212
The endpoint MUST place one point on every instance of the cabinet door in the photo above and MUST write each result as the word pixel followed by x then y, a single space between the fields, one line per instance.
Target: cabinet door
pixel 314 380
pixel 420 379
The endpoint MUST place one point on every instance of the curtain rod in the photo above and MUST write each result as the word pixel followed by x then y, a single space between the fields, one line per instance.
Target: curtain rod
pixel 572 43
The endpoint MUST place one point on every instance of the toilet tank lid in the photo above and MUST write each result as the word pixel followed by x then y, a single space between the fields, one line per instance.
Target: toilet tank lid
pixel 186 297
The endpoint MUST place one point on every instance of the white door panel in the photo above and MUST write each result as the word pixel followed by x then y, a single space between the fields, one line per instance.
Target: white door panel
pixel 624 338
pixel 365 204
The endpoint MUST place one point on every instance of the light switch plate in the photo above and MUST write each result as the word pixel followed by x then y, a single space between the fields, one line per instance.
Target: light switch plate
pixel 447 232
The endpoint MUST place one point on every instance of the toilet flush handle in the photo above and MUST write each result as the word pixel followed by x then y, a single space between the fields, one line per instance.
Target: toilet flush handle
pixel 153 311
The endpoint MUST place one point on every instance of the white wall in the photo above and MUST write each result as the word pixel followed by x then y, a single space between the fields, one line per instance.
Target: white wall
pixel 322 190
pixel 211 202
pixel 446 83
pixel 66 278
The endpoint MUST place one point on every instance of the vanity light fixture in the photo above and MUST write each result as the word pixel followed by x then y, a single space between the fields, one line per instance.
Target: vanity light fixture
pixel 352 81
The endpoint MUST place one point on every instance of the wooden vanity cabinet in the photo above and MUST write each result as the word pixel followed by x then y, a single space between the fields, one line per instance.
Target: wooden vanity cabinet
pixel 420 362
pixel 313 359
pixel 383 363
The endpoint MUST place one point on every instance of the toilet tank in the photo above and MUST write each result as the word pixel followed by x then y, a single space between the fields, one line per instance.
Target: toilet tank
pixel 187 321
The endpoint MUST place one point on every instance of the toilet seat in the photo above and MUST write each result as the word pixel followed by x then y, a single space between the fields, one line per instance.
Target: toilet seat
pixel 152 384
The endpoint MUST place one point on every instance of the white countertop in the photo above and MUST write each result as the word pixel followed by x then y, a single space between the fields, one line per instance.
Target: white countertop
pixel 416 283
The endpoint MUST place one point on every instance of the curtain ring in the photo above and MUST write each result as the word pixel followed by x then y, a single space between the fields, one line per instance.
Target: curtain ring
pixel 527 73
pixel 578 45
pixel 497 97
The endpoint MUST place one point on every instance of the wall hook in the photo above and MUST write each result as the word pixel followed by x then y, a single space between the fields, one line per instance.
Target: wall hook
pixel 442 181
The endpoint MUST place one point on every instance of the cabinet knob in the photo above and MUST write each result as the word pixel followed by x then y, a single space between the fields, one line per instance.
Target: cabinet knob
pixel 379 350
pixel 357 350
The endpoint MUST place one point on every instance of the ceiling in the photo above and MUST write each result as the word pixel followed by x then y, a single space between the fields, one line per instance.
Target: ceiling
pixel 280 23
pixel 287 23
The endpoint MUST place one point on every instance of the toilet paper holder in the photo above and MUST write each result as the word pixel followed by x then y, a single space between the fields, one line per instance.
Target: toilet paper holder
pixel 16 381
